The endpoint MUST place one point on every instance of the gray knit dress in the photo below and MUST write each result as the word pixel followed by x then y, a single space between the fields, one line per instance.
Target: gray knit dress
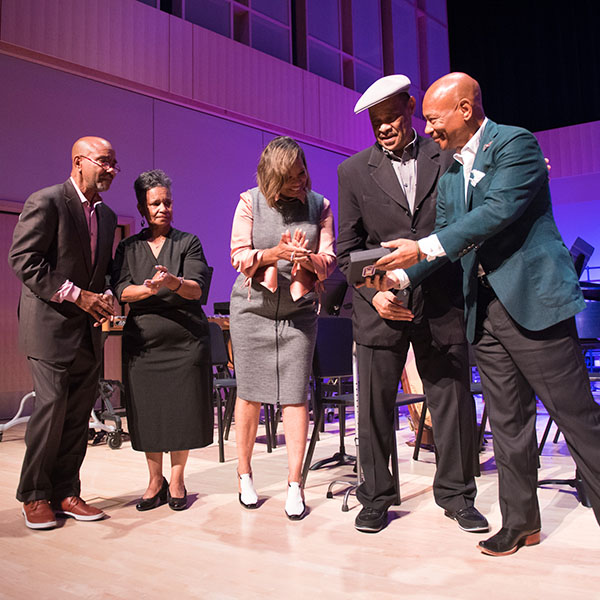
pixel 274 337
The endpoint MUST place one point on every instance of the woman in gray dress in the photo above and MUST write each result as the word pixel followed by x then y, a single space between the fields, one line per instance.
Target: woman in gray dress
pixel 161 273
pixel 282 243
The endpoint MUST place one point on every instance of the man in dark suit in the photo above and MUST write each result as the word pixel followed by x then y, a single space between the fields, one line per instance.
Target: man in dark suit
pixel 386 191
pixel 521 294
pixel 61 251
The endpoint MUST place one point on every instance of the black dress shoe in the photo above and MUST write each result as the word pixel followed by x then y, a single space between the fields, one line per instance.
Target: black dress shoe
pixel 508 541
pixel 469 519
pixel 177 503
pixel 371 520
pixel 155 501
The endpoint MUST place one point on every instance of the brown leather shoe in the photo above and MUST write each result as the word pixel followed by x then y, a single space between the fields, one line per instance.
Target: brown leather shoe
pixel 75 507
pixel 39 515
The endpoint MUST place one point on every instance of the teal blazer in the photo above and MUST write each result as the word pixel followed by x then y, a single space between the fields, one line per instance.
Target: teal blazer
pixel 507 225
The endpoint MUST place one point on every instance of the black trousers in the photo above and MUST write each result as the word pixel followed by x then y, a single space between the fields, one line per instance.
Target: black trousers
pixel 516 365
pixel 57 432
pixel 446 383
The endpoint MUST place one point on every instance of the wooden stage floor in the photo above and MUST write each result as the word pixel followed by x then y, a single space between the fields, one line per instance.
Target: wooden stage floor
pixel 217 550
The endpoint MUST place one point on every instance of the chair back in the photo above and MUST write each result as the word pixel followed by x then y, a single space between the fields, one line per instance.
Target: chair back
pixel 206 288
pixel 217 345
pixel 333 350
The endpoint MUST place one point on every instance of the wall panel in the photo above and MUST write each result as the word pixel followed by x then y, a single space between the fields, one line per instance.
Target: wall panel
pixel 181 57
pixel 45 111
pixel 572 150
pixel 126 43
pixel 211 161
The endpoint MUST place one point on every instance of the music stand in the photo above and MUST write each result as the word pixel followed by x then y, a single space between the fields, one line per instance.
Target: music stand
pixel 581 252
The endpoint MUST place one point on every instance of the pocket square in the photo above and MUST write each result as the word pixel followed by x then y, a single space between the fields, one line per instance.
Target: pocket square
pixel 475 177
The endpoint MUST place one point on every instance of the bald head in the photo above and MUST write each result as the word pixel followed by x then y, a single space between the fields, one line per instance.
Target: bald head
pixel 453 110
pixel 88 155
pixel 89 144
pixel 455 87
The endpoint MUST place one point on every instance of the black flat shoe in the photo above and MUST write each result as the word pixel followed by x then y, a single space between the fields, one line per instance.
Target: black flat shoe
pixel 508 541
pixel 177 503
pixel 155 501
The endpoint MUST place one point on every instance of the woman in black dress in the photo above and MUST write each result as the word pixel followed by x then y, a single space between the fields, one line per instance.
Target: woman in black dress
pixel 161 273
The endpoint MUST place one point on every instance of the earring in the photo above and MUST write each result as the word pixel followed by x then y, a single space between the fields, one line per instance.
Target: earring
pixel 143 222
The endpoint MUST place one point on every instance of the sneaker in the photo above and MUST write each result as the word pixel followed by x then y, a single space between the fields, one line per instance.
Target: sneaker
pixel 371 520
pixel 76 507
pixel 469 519
pixel 39 515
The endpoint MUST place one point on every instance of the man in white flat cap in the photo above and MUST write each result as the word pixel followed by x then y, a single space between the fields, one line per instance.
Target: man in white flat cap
pixel 388 191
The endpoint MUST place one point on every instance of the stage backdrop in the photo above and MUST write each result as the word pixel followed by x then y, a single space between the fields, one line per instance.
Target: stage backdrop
pixel 210 159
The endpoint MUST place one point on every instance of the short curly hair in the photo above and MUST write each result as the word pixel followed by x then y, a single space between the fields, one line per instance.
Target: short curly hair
pixel 149 180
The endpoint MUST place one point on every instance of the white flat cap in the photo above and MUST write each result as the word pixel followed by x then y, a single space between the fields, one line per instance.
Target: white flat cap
pixel 381 90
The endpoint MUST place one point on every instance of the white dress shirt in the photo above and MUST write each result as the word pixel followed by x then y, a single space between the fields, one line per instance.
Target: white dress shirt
pixel 430 246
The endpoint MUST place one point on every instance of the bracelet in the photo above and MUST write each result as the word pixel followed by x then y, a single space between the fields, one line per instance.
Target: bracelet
pixel 420 254
pixel 180 284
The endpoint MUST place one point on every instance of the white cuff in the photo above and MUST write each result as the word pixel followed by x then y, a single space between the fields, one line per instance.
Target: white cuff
pixel 431 247
pixel 400 276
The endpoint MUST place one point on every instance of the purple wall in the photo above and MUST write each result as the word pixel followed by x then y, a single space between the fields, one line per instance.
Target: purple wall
pixel 211 160
pixel 576 205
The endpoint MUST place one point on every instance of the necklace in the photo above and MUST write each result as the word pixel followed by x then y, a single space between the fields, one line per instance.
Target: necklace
pixel 156 244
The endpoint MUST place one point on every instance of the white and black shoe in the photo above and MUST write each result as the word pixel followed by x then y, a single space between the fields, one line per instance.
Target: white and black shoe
pixel 295 509
pixel 247 496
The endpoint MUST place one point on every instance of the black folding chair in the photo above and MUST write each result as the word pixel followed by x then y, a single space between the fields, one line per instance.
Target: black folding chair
pixel 224 385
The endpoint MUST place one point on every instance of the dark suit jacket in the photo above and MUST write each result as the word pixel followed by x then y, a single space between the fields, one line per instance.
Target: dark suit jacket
pixel 51 243
pixel 508 226
pixel 374 209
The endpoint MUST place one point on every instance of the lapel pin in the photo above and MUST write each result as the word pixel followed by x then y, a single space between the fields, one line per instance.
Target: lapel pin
pixel 487 146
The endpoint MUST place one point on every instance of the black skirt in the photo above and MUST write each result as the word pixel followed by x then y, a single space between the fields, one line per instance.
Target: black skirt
pixel 169 404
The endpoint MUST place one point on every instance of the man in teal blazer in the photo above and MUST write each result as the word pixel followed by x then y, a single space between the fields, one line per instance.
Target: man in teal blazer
pixel 494 213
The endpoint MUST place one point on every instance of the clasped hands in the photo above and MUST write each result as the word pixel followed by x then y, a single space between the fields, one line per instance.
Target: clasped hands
pixel 162 278
pixel 100 306
pixel 293 249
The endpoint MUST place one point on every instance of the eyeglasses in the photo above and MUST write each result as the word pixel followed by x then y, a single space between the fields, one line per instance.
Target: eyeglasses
pixel 104 165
